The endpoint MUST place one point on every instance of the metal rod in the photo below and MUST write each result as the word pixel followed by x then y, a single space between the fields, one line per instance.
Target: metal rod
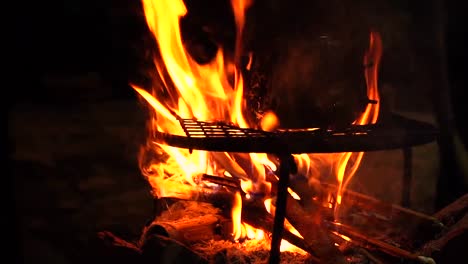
pixel 407 176
pixel 280 211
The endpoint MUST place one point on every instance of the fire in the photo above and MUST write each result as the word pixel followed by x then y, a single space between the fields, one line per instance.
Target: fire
pixel 196 91
pixel 345 165
pixel 211 92
pixel 369 116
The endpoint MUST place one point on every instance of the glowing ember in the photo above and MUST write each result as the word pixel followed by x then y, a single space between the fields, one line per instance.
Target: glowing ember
pixel 205 92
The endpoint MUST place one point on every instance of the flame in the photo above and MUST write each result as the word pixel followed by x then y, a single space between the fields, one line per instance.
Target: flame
pixel 345 238
pixel 285 245
pixel 214 91
pixel 236 217
pixel 369 116
pixel 197 91
pixel 344 165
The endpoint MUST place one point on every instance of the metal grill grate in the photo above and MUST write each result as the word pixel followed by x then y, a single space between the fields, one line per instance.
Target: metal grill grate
pixel 396 132
pixel 200 129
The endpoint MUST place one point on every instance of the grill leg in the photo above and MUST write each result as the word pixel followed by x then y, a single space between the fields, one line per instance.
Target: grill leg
pixel 280 211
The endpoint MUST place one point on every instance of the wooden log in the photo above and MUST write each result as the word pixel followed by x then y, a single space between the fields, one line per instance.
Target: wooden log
pixel 441 244
pixel 388 210
pixel 449 246
pixel 454 211
pixel 253 213
pixel 415 226
pixel 229 165
pixel 188 231
pixel 256 216
pixel 314 232
pixel 220 197
pixel 310 226
pixel 365 241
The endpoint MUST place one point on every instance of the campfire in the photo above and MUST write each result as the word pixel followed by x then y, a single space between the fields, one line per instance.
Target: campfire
pixel 233 184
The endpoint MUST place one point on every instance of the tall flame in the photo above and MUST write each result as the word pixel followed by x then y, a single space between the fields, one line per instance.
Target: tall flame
pixel 206 92
pixel 195 91
pixel 369 116
pixel 344 165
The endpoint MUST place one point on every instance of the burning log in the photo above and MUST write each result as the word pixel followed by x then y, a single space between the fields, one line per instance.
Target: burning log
pixel 314 233
pixel 229 165
pixel 310 227
pixel 211 226
pixel 219 197
pixel 258 217
pixel 224 181
pixel 188 231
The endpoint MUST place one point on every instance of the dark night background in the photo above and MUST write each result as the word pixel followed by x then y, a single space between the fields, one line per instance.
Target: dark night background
pixel 73 62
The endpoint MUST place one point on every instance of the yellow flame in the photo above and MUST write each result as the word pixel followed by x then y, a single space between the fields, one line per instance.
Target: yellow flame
pixel 285 245
pixel 205 92
pixel 201 92
pixel 237 216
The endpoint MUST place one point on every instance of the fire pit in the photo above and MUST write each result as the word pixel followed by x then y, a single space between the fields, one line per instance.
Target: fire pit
pixel 250 178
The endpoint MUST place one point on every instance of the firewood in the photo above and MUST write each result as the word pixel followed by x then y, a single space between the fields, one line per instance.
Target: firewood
pixel 446 240
pixel 187 231
pixel 388 216
pixel 365 241
pixel 229 165
pixel 258 217
pixel 310 227
pixel 449 244
pixel 314 232
pixel 253 213
pixel 392 211
pixel 454 211
pixel 218 198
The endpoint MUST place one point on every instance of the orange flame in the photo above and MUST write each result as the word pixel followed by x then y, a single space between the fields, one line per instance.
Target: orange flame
pixel 344 165
pixel 369 116
pixel 205 92
pixel 195 91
